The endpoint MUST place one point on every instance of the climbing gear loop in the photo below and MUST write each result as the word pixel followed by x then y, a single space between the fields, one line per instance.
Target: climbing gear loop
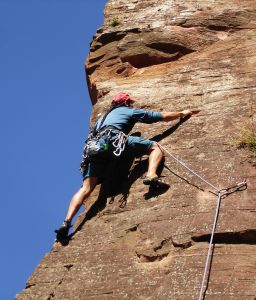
pixel 119 143
pixel 101 142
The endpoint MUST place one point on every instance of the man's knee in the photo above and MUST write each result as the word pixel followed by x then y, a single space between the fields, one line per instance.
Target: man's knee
pixel 155 147
pixel 88 186
pixel 85 191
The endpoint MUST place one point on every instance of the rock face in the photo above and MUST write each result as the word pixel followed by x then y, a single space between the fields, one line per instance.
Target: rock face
pixel 135 243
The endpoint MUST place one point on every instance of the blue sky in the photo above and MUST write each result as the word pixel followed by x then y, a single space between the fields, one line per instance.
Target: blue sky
pixel 44 118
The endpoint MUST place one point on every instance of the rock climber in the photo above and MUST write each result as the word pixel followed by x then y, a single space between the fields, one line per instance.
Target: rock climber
pixel 116 124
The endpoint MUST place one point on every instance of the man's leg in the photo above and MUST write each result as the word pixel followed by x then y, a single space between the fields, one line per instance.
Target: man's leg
pixel 155 157
pixel 78 199
pixel 81 196
pixel 137 146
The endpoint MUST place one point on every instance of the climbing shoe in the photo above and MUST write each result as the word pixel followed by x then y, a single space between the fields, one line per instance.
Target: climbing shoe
pixel 155 182
pixel 62 232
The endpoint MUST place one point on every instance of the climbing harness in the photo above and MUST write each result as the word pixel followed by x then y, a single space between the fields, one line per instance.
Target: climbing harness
pixel 99 140
pixel 94 144
pixel 221 193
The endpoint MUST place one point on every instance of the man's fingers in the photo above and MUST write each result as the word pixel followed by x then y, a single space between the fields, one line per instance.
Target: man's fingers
pixel 195 111
pixel 188 112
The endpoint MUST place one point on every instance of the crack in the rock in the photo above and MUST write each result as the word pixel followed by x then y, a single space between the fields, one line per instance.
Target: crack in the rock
pixel 96 58
pixel 134 228
pixel 213 27
pixel 51 296
pixel 151 258
pixel 112 36
pixel 183 246
pixel 108 293
pixel 159 253
pixel 68 266
pixel 143 60
pixel 169 48
pixel 218 27
pixel 29 285
pixel 162 244
pixel 88 295
pixel 162 250
pixel 240 237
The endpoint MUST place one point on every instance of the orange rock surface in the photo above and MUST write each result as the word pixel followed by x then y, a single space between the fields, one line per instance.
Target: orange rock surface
pixel 135 243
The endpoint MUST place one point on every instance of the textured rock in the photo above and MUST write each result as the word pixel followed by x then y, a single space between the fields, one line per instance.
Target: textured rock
pixel 141 244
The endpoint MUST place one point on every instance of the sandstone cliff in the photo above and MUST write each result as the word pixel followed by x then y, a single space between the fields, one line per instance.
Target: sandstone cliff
pixel 141 244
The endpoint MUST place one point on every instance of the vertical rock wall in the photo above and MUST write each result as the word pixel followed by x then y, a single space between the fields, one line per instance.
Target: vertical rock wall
pixel 140 244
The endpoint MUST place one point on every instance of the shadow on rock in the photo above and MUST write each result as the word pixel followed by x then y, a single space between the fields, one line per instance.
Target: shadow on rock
pixel 155 191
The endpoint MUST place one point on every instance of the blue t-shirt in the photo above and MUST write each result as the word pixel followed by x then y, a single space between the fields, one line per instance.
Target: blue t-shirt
pixel 124 118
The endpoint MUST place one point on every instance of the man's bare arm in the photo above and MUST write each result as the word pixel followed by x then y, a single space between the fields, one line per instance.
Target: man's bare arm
pixel 173 115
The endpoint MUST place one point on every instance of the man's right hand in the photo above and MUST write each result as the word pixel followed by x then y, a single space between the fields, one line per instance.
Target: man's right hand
pixel 169 116
pixel 188 112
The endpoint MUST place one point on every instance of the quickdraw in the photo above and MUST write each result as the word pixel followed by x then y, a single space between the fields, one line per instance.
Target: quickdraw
pixel 119 143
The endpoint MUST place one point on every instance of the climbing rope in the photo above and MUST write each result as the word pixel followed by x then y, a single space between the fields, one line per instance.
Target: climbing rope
pixel 209 254
pixel 221 193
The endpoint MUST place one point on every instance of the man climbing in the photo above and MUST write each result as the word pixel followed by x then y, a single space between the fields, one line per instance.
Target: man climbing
pixel 113 128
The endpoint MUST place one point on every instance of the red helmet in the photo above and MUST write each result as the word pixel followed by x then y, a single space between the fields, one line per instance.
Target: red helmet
pixel 121 97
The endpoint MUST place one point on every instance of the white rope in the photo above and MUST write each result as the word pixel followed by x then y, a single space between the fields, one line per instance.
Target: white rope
pixel 203 286
pixel 189 169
